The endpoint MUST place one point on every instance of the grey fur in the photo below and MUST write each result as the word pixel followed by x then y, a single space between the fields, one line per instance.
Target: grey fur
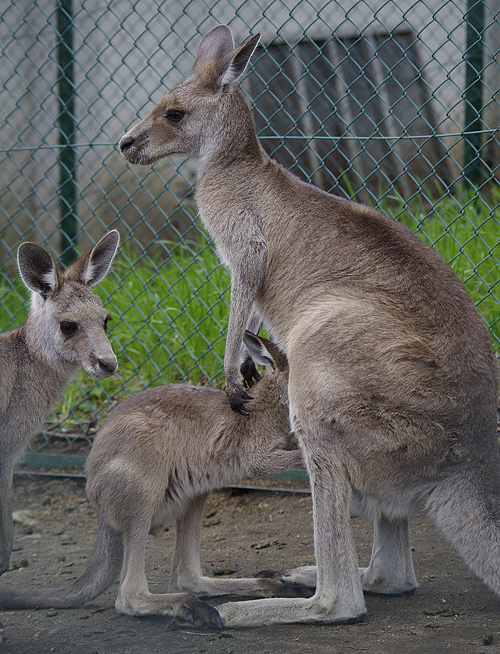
pixel 393 384
pixel 38 360
pixel 156 458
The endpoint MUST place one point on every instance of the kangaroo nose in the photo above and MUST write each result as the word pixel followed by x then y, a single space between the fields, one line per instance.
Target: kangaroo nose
pixel 108 366
pixel 125 143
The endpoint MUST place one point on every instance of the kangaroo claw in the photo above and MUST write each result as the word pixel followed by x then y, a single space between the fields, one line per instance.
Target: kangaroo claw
pixel 237 399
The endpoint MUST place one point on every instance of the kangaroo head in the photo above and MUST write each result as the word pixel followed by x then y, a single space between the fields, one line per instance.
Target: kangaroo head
pixel 195 114
pixel 67 322
pixel 267 354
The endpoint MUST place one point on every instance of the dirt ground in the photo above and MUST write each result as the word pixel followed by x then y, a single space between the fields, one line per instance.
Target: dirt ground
pixel 244 531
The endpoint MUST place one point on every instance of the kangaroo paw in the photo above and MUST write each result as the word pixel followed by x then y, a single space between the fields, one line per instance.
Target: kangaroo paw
pixel 304 576
pixel 273 585
pixel 289 589
pixel 194 609
pixel 270 574
pixel 250 373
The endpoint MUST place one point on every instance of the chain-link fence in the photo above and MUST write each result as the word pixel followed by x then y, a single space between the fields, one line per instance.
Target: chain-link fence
pixel 391 103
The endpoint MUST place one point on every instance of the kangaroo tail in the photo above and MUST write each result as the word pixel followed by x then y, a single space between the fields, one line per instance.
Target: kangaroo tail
pixel 103 569
pixel 467 510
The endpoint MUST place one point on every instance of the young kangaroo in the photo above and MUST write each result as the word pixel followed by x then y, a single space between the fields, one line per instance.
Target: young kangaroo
pixel 392 382
pixel 65 329
pixel 156 458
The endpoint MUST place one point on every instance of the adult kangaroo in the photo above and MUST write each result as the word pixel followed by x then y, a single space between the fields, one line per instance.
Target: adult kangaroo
pixel 65 329
pixel 392 383
pixel 156 458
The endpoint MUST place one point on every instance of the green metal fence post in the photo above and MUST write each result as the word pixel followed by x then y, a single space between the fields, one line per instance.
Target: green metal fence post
pixel 473 92
pixel 67 156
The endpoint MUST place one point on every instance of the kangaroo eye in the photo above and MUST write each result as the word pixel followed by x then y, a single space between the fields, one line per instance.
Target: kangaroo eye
pixel 175 115
pixel 68 328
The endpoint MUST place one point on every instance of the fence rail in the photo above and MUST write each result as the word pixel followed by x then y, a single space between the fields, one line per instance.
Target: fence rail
pixel 392 104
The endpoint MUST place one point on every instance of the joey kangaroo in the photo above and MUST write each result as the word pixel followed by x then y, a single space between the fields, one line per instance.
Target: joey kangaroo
pixel 156 458
pixel 65 329
pixel 392 381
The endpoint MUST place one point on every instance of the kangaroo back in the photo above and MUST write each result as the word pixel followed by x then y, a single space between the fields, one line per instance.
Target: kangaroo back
pixel 177 441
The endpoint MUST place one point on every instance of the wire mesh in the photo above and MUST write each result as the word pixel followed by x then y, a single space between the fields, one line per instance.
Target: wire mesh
pixel 391 104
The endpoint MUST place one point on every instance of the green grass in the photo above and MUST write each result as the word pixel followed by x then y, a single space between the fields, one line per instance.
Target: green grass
pixel 170 314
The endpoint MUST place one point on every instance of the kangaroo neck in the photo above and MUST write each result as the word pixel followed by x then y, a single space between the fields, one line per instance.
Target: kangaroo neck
pixel 229 158
pixel 224 179
pixel 232 149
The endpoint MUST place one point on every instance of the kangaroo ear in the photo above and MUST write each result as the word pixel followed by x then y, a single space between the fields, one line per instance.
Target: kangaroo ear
pixel 264 352
pixel 92 267
pixel 38 269
pixel 215 44
pixel 238 61
pixel 217 49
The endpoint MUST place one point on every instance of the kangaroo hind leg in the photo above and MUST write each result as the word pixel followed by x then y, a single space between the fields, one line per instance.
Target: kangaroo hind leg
pixel 390 571
pixel 338 597
pixel 134 597
pixel 187 574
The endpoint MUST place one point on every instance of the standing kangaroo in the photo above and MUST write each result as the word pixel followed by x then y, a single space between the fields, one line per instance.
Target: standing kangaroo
pixel 392 381
pixel 65 329
pixel 156 458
